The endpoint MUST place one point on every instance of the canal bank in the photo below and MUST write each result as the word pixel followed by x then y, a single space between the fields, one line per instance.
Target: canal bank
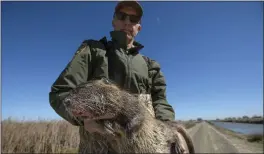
pixel 245 131
pixel 245 142
pixel 243 128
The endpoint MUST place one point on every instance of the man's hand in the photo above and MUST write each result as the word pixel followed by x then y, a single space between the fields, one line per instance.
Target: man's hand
pixel 92 126
pixel 104 127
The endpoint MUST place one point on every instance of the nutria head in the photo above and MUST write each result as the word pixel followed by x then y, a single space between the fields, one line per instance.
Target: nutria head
pixel 101 100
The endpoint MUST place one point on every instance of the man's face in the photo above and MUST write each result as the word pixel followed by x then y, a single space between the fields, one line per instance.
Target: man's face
pixel 126 25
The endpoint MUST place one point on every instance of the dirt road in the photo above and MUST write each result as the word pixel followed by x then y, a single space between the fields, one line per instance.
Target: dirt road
pixel 209 140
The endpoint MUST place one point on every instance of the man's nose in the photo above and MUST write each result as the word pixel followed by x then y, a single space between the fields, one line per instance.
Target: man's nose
pixel 127 21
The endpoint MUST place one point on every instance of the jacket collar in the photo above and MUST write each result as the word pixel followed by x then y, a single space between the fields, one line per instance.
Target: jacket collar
pixel 119 38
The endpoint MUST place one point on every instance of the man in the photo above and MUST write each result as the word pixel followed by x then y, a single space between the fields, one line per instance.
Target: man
pixel 119 60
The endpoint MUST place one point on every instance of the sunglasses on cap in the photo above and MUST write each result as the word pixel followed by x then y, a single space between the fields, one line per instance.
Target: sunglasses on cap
pixel 122 16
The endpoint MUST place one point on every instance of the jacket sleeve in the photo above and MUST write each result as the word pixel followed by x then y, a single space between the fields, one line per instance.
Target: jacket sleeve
pixel 163 110
pixel 78 70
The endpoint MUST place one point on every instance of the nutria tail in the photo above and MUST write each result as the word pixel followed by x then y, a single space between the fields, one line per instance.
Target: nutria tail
pixel 187 139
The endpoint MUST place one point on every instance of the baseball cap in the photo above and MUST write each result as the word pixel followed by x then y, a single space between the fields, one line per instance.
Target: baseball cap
pixel 132 3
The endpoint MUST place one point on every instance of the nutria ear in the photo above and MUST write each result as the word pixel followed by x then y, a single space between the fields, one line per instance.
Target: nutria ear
pixel 131 124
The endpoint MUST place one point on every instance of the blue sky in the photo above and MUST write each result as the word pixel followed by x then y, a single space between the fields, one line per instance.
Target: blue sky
pixel 210 52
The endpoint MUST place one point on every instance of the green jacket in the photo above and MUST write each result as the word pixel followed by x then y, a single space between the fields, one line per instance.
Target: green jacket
pixel 125 67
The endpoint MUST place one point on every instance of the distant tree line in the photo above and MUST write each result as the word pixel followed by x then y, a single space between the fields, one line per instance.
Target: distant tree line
pixel 245 119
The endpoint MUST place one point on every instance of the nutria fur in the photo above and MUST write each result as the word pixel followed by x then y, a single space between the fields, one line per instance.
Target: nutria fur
pixel 128 124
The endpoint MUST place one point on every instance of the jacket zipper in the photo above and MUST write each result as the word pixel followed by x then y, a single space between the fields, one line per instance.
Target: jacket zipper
pixel 129 71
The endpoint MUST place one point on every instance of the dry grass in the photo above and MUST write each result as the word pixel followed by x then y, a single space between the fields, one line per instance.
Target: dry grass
pixel 189 124
pixel 42 136
pixel 39 137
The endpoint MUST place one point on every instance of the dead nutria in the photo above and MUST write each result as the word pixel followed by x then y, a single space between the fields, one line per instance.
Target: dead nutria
pixel 129 126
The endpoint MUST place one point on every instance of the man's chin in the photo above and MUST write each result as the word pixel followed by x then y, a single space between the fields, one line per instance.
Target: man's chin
pixel 129 37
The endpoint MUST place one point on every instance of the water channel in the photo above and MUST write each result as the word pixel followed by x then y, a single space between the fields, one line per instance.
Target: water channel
pixel 244 128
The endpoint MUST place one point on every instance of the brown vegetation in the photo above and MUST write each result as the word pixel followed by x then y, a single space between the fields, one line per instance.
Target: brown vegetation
pixel 42 136
pixel 189 124
pixel 39 137
pixel 255 138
